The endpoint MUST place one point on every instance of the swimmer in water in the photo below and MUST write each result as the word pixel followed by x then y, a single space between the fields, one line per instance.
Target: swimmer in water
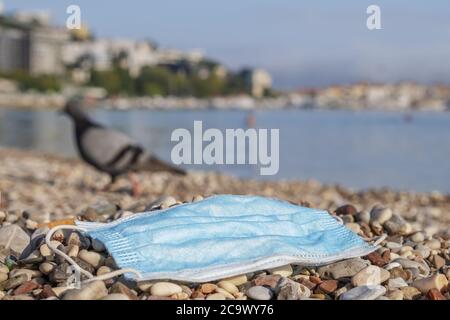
pixel 251 120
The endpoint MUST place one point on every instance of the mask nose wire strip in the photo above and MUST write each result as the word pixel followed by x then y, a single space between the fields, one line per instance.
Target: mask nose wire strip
pixel 91 277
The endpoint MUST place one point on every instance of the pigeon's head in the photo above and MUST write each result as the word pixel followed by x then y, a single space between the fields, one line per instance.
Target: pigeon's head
pixel 74 109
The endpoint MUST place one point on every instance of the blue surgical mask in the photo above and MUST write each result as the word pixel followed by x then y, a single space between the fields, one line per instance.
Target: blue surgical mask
pixel 223 236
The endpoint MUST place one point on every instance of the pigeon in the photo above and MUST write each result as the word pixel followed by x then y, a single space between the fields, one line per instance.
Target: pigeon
pixel 111 151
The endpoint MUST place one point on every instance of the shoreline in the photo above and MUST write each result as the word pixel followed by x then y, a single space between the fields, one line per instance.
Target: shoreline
pixel 56 101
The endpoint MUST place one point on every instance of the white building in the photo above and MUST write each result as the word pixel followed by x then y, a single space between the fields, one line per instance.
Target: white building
pixel 257 81
pixel 33 48
pixel 135 54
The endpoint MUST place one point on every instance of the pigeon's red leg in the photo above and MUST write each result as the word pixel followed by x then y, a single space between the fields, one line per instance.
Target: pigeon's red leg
pixel 136 187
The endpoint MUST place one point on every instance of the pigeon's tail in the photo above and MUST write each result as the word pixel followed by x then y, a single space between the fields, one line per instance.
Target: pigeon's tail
pixel 154 164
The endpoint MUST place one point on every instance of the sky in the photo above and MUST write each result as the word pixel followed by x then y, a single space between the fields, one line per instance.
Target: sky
pixel 301 43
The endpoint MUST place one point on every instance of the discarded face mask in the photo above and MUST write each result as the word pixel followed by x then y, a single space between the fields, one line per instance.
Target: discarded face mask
pixel 223 236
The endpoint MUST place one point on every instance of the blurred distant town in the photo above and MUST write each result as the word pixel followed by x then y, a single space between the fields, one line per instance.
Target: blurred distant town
pixel 42 64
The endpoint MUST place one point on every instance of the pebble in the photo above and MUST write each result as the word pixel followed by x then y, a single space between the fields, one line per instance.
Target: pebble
pixel 207 288
pixel 394 246
pixel 216 296
pixel 328 286
pixel 47 292
pixel 237 280
pixel 73 251
pixel 364 216
pixel 379 260
pixel 347 209
pixel 2 216
pixel 397 225
pixel 380 214
pixel 228 286
pixel 364 293
pixel 59 291
pixel 168 202
pixel 103 270
pixel 164 289
pixel 98 245
pixel 422 268
pixel 100 208
pixel 29 273
pixel 292 290
pixel 437 281
pixel 423 251
pixel 397 283
pixel 46 251
pixel 95 290
pixel 418 237
pixel 435 294
pixel 271 281
pixel 395 295
pixel 343 269
pixel 14 237
pixel 371 275
pixel 3 276
pixel 259 293
pixel 14 282
pixel 317 296
pixel 356 228
pixel 120 288
pixel 145 286
pixel 181 296
pixel 4 268
pixel 225 293
pixel 284 271
pixel 74 239
pixel 93 258
pixel 116 296
pixel 410 293
pixel 26 287
pixel 438 261
pixel 433 244
pixel 197 198
pixel 30 224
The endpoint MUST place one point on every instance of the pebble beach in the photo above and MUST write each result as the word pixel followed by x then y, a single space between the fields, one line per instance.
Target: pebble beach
pixel 39 189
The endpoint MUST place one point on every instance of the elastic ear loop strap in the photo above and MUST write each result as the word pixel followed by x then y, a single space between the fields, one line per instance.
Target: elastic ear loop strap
pixel 90 276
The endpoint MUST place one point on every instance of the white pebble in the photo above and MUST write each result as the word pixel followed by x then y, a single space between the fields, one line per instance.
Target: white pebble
pixel 165 289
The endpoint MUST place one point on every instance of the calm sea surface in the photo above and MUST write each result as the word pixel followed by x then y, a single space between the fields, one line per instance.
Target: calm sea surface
pixel 355 149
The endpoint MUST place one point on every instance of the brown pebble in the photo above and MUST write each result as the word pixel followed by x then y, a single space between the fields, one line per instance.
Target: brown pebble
pixel 47 292
pixel 377 259
pixel 197 294
pixel 207 288
pixel 327 286
pixel 271 281
pixel 435 294
pixel 310 285
pixel 26 287
pixel 346 209
pixel 315 279
pixel 400 273
pixel 123 289
pixel 438 261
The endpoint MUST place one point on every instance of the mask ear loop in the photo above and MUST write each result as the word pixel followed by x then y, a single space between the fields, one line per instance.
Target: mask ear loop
pixel 90 276
pixel 380 239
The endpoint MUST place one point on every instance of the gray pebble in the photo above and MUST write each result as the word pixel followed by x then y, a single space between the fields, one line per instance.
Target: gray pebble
pixel 364 293
pixel 259 293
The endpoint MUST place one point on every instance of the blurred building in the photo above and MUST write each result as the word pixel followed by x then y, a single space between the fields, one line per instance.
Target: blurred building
pixel 101 54
pixel 29 43
pixel 258 81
